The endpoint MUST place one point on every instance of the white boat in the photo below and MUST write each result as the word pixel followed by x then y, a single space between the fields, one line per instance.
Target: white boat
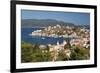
pixel 43 38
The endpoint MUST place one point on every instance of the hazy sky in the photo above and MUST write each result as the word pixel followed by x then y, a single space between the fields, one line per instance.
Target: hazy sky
pixel 73 17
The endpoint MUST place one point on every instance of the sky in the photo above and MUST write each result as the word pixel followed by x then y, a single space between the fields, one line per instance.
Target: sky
pixel 71 17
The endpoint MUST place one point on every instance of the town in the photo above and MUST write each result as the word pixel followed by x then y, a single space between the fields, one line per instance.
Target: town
pixel 80 38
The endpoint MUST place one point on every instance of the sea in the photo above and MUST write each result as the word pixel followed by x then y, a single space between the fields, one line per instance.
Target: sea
pixel 42 40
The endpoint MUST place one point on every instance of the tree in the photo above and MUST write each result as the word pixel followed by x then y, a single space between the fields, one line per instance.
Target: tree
pixel 26 51
pixel 80 53
pixel 30 53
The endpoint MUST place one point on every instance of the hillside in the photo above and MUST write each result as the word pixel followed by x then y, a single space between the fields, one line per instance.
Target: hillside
pixel 43 23
pixel 47 22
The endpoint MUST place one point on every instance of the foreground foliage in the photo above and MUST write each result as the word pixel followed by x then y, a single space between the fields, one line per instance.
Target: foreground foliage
pixel 33 53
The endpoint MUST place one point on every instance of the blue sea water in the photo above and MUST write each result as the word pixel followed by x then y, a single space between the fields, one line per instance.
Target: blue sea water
pixel 38 39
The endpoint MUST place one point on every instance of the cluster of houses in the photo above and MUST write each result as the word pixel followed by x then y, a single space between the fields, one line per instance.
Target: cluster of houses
pixel 61 31
pixel 55 49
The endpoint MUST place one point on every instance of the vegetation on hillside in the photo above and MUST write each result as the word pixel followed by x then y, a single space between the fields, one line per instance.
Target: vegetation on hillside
pixel 33 53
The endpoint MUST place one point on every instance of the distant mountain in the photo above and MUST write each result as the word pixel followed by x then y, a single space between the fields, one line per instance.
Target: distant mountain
pixel 43 23
pixel 83 26
pixel 48 22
